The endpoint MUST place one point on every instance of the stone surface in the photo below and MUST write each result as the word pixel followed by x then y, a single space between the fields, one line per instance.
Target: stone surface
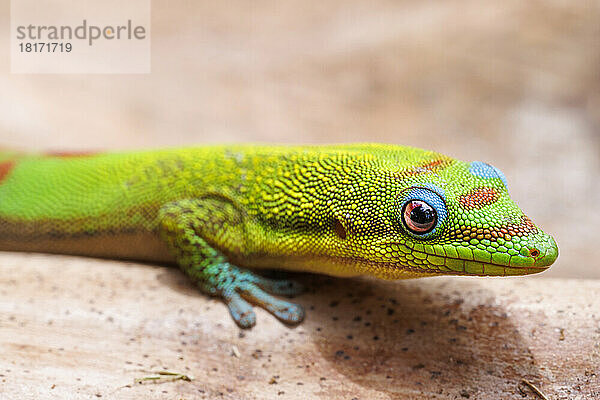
pixel 82 328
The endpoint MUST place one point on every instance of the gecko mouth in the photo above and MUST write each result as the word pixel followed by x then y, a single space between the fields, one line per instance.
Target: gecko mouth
pixel 474 268
pixel 417 262
pixel 457 266
pixel 534 255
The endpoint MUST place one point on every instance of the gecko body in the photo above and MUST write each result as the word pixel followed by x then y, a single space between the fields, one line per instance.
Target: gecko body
pixel 221 212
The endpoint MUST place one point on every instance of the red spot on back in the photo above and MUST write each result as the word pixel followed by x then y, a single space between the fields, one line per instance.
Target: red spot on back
pixel 478 198
pixel 5 168
pixel 70 154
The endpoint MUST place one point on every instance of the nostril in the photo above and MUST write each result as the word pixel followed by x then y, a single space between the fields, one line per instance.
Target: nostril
pixel 534 252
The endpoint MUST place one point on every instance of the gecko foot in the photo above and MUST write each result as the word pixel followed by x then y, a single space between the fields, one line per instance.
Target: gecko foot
pixel 239 297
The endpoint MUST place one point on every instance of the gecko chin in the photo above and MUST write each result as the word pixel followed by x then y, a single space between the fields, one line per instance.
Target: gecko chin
pixel 530 257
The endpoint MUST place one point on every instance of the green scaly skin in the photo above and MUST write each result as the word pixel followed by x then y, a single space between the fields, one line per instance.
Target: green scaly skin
pixel 217 210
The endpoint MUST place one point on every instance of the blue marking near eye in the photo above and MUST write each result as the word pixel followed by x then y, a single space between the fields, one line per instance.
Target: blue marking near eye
pixel 430 194
pixel 438 190
pixel 487 171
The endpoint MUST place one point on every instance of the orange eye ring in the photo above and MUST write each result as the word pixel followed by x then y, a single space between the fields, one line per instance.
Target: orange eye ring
pixel 419 217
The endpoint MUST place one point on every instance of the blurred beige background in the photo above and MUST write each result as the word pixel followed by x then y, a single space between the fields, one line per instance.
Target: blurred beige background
pixel 513 83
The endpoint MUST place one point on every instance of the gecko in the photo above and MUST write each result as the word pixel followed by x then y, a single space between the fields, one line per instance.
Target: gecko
pixel 224 212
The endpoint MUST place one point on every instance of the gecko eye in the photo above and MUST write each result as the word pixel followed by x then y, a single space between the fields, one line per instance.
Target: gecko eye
pixel 419 217
pixel 422 210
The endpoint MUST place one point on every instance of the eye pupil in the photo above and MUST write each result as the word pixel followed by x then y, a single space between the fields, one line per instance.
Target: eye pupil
pixel 419 217
pixel 422 215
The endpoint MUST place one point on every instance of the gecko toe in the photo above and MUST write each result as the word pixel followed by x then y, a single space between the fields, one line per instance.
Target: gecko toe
pixel 283 287
pixel 285 311
pixel 240 310
pixel 292 313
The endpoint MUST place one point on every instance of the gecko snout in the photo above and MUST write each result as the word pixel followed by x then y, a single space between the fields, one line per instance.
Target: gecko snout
pixel 544 252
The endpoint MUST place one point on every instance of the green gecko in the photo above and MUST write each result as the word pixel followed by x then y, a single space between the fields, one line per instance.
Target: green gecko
pixel 344 210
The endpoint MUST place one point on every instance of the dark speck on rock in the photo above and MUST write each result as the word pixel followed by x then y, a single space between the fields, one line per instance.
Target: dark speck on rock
pixel 435 374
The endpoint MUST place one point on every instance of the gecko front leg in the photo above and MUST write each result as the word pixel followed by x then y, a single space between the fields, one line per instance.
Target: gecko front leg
pixel 190 226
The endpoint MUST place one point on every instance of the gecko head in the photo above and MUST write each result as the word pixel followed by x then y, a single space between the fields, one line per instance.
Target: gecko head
pixel 456 219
